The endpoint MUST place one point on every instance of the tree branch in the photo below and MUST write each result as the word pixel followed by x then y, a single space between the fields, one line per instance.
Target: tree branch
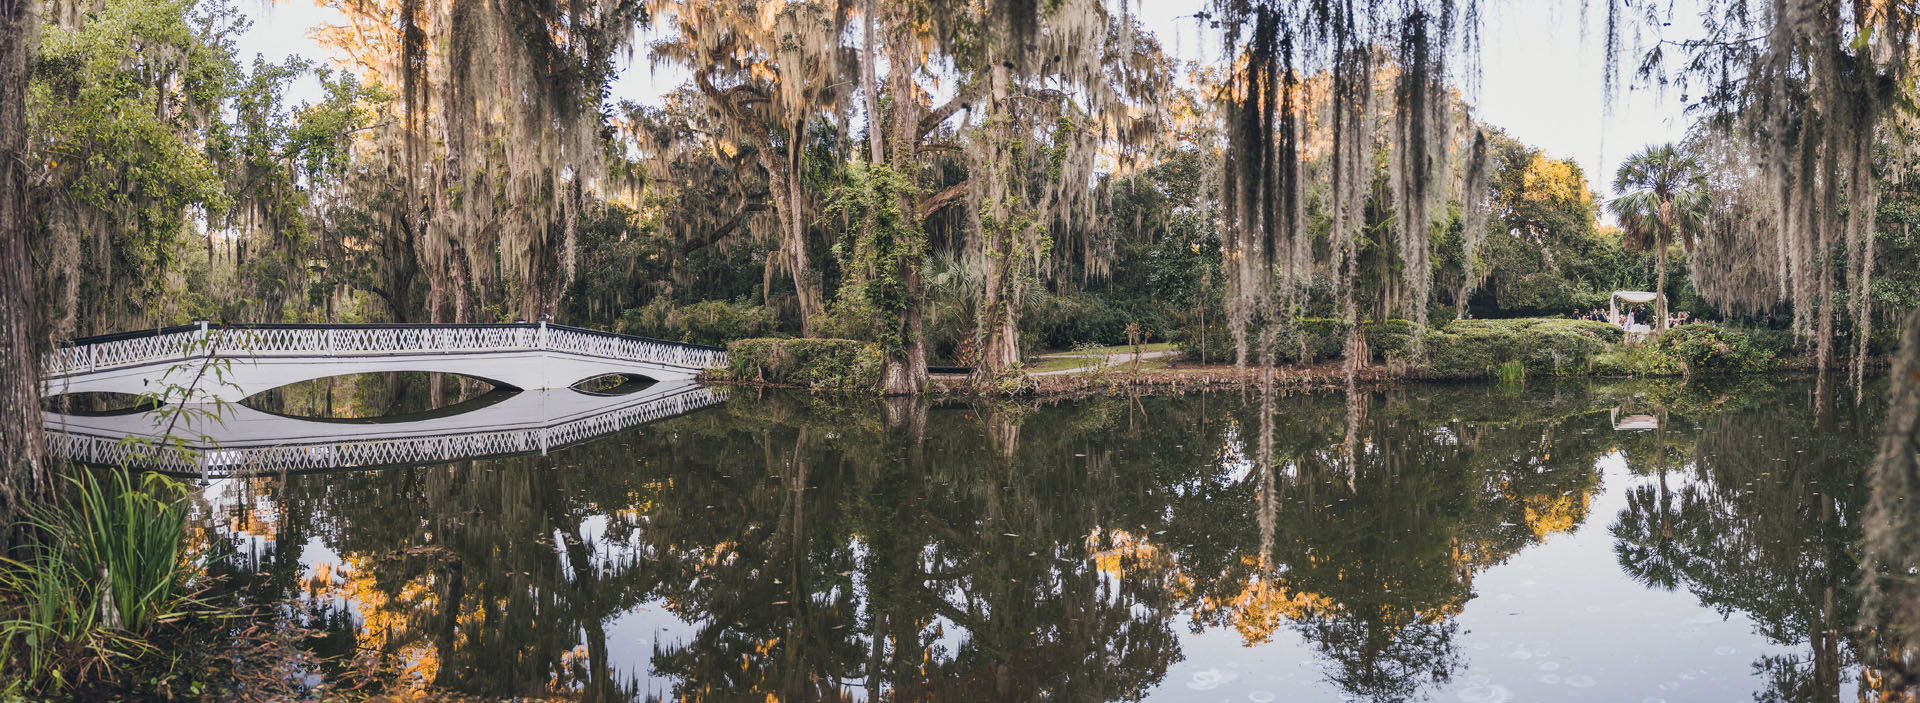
pixel 962 98
pixel 932 203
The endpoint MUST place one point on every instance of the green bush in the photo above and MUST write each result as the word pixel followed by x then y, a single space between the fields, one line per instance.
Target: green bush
pixel 1314 340
pixel 1388 340
pixel 1707 348
pixel 1602 331
pixel 709 322
pixel 1468 351
pixel 1212 341
pixel 832 365
pixel 1477 348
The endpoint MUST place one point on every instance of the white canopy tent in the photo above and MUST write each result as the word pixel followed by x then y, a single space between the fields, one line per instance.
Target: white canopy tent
pixel 1631 296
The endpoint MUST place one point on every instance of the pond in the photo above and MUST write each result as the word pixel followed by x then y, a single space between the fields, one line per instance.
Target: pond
pixel 1593 542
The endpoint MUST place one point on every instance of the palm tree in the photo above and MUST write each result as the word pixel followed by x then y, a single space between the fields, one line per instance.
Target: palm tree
pixel 1662 193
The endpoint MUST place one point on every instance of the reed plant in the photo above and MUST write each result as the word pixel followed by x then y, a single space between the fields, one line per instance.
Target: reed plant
pixel 1511 371
pixel 111 566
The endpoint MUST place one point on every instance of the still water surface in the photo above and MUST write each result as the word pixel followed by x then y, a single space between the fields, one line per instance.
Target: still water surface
pixel 1592 542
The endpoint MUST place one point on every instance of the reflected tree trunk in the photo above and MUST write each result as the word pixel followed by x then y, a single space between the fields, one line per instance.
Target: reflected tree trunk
pixel 1893 518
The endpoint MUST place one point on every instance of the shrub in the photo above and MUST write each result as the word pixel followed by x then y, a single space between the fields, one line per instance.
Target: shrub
pixel 1706 348
pixel 1468 351
pixel 1388 340
pixel 832 365
pixel 709 322
pixel 1212 342
pixel 1780 343
pixel 1313 340
pixel 1475 348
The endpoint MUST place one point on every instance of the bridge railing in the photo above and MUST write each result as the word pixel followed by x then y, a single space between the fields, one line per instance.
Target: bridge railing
pixel 174 343
pixel 620 346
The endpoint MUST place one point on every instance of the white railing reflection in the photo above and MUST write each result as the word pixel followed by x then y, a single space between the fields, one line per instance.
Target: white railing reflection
pixel 236 448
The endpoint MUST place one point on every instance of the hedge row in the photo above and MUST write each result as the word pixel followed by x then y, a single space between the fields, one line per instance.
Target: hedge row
pixel 1460 349
pixel 1478 348
pixel 833 365
pixel 1309 340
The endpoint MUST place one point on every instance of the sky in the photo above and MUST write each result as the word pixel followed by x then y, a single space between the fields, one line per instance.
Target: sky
pixel 1540 73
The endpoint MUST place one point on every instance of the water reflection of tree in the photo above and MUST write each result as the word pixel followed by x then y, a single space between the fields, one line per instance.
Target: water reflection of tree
pixel 1370 559
pixel 820 548
pixel 973 569
pixel 492 578
pixel 1765 522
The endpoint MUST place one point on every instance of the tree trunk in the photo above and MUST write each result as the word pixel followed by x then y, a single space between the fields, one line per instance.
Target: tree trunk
pixel 809 297
pixel 783 180
pixel 906 375
pixel 1660 243
pixel 25 475
pixel 999 309
pixel 999 347
pixel 870 84
pixel 786 194
pixel 1660 289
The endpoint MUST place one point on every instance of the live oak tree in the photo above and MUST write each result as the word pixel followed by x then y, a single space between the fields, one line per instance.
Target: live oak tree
pixel 493 148
pixel 25 477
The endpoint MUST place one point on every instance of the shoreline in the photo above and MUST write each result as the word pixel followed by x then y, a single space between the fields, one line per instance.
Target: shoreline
pixel 1329 376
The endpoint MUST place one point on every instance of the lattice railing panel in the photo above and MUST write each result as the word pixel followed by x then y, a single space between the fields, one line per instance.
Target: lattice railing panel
pixel 630 348
pixel 122 352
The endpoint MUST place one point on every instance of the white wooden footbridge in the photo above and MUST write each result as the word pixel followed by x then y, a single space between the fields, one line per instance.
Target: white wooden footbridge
pixel 207 367
pixel 206 363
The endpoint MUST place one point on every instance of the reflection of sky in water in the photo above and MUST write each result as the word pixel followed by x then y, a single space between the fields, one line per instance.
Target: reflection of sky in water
pixel 1557 621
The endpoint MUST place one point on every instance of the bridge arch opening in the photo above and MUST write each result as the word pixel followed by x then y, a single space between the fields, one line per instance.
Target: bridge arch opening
pixel 614 384
pixel 99 404
pixel 380 396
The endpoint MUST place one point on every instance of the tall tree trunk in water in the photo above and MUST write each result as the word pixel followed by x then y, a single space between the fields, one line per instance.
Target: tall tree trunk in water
pixel 906 375
pixel 1892 599
pixel 25 477
pixel 803 284
pixel 999 307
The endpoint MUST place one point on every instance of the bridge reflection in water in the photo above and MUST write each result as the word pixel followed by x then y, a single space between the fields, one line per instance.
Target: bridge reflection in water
pixel 238 440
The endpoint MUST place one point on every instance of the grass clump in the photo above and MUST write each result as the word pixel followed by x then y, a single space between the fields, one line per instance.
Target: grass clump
pixel 110 569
